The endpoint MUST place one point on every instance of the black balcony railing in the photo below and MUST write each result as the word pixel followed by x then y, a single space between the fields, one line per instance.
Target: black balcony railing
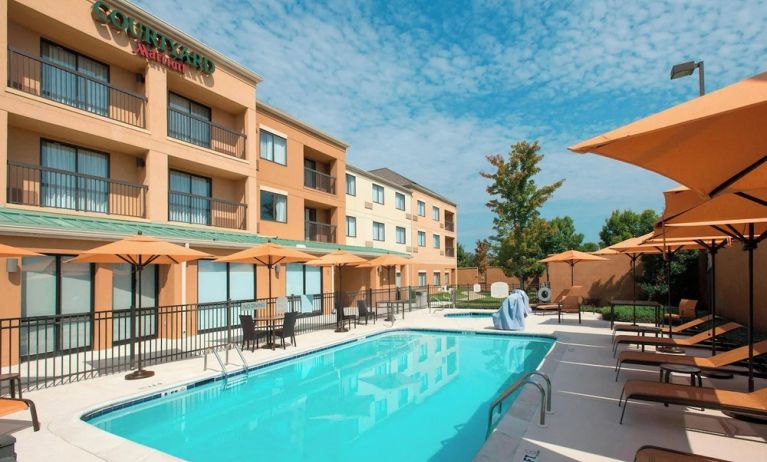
pixel 204 133
pixel 320 181
pixel 202 210
pixel 49 187
pixel 450 251
pixel 41 77
pixel 319 232
pixel 449 226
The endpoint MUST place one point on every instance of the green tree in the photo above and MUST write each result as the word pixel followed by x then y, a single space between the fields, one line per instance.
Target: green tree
pixel 558 235
pixel 684 276
pixel 625 224
pixel 590 247
pixel 516 200
pixel 482 256
pixel 465 259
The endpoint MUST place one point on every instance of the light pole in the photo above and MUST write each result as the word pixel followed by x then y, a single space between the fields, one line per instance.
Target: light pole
pixel 685 69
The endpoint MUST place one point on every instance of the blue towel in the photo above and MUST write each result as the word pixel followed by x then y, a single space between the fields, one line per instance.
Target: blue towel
pixel 513 311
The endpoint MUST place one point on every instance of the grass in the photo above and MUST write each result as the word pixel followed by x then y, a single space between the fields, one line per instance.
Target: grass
pixel 623 313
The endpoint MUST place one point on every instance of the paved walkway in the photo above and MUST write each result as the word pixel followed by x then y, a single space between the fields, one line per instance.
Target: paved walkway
pixel 584 425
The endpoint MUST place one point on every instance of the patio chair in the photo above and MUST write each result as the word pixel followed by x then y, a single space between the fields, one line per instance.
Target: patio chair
pixel 657 454
pixel 718 362
pixel 288 329
pixel 685 311
pixel 348 317
pixel 753 403
pixel 554 305
pixel 249 332
pixel 696 341
pixel 11 405
pixel 674 329
pixel 570 304
pixel 364 313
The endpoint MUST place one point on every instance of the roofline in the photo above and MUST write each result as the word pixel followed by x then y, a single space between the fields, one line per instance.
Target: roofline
pixel 213 53
pixel 284 115
pixel 375 177
pixel 423 189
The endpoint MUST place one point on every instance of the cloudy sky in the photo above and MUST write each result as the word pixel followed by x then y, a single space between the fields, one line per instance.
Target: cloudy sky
pixel 430 88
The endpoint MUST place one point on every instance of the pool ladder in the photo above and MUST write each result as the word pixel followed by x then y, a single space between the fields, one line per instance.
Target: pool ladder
pixel 526 379
pixel 221 362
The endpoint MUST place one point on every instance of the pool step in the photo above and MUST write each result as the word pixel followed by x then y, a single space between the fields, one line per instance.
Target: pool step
pixel 234 381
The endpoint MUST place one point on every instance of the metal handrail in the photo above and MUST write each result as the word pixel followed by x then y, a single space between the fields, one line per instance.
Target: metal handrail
pixel 218 358
pixel 222 363
pixel 524 380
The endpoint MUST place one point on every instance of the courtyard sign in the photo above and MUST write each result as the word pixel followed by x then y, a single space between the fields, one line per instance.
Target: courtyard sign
pixel 151 44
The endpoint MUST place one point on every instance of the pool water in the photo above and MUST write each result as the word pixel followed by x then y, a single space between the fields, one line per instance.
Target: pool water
pixel 404 396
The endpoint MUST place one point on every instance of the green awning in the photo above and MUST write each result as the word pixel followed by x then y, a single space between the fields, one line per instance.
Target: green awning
pixel 31 223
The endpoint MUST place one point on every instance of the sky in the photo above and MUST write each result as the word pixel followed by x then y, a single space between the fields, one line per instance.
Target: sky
pixel 430 88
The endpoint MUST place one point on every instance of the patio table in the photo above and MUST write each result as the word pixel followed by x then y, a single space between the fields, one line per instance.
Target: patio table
pixel 270 323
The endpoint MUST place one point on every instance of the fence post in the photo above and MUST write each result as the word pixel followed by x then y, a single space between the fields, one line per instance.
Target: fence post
pixel 228 326
pixel 428 297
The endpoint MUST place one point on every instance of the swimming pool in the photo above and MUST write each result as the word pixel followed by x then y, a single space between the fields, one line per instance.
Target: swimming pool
pixel 406 395
pixel 471 314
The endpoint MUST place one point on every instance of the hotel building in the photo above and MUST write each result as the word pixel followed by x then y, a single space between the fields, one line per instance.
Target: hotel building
pixel 115 123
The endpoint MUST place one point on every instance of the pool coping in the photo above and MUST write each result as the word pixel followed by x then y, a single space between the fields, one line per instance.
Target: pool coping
pixel 76 430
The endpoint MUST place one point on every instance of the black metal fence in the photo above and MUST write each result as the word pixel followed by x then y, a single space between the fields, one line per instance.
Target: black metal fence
pixel 203 210
pixel 196 130
pixel 318 180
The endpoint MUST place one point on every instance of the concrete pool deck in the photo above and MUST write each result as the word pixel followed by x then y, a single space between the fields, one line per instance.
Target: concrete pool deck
pixel 584 425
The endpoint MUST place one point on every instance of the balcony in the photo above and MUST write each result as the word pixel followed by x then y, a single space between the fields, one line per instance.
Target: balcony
pixel 450 251
pixel 203 210
pixel 319 232
pixel 40 77
pixel 449 226
pixel 319 181
pixel 49 187
pixel 204 133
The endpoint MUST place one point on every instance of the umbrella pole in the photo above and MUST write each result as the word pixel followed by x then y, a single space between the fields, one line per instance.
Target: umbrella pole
pixel 572 274
pixel 339 312
pixel 751 244
pixel 139 373
pixel 668 254
pixel 712 292
pixel 634 279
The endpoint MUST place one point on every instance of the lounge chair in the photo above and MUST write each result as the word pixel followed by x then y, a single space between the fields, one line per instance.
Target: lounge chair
pixel 249 332
pixel 718 362
pixel 363 312
pixel 693 342
pixel 570 304
pixel 686 310
pixel 554 305
pixel 657 454
pixel 11 405
pixel 754 403
pixel 288 328
pixel 674 329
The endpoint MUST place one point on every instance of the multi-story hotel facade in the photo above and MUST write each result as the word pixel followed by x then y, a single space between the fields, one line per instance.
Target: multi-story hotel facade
pixel 115 123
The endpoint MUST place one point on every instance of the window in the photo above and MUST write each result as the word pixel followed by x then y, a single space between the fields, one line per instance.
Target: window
pixel 435 241
pixel 304 280
pixel 400 234
pixel 189 198
pixel 188 121
pixel 351 226
pixel 273 148
pixel 435 278
pixel 219 282
pixel 421 208
pixel 274 207
pixel 74 80
pixel 351 185
pixel 421 239
pixel 422 278
pixel 61 189
pixel 50 286
pixel 435 212
pixel 379 231
pixel 122 292
pixel 378 194
pixel 399 201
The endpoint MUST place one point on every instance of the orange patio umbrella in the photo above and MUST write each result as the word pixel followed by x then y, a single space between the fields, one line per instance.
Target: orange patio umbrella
pixel 387 261
pixel 7 251
pixel 139 251
pixel 742 218
pixel 712 144
pixel 268 255
pixel 338 259
pixel 572 257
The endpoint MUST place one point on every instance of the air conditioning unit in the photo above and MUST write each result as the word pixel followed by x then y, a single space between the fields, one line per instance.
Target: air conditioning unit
pixel 441 226
pixel 415 217
pixel 408 216
pixel 368 205
pixel 441 253
pixel 368 243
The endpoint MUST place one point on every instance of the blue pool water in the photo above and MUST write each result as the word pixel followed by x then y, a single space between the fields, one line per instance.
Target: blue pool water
pixel 473 314
pixel 401 396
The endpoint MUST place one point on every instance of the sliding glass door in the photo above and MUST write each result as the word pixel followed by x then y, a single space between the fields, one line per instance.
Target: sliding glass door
pixel 189 199
pixel 73 79
pixel 217 283
pixel 122 292
pixel 73 178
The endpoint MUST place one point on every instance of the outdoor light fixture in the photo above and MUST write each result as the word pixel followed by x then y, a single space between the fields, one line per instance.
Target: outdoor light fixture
pixel 685 69
pixel 277 269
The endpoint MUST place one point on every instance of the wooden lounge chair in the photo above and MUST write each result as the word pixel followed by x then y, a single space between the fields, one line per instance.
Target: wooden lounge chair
pixel 554 305
pixel 754 403
pixel 674 329
pixel 718 362
pixel 570 304
pixel 11 405
pixel 686 310
pixel 693 342
pixel 657 454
